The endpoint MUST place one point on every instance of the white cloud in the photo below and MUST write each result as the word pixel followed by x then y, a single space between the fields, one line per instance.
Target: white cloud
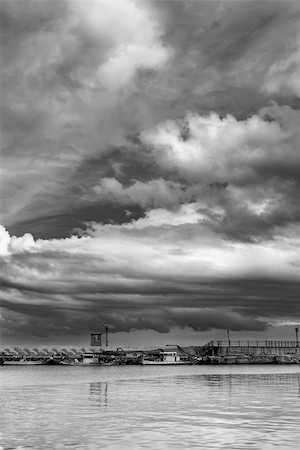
pixel 130 32
pixel 217 148
pixel 240 176
pixel 164 244
pixel 257 158
pixel 154 193
pixel 185 214
pixel 4 241
pixel 283 75
pixel 13 244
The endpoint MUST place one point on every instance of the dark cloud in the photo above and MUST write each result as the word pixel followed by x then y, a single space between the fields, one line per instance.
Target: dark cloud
pixel 127 317
pixel 73 221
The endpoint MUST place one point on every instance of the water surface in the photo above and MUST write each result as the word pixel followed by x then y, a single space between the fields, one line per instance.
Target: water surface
pixel 206 407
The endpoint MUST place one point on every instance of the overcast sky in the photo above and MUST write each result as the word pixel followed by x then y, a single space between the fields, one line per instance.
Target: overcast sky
pixel 149 170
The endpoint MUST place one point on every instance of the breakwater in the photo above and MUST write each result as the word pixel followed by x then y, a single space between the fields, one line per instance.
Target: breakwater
pixel 251 352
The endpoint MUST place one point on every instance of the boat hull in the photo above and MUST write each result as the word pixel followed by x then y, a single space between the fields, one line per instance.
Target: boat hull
pixel 23 363
pixel 166 363
pixel 32 362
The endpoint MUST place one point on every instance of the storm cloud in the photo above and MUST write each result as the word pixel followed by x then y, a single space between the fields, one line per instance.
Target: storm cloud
pixel 149 166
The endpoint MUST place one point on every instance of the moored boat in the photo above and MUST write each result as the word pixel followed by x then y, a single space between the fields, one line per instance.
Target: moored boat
pixel 87 359
pixel 94 359
pixel 28 361
pixel 166 359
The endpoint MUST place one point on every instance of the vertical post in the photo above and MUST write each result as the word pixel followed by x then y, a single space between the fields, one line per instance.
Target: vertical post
pixel 297 341
pixel 106 335
pixel 228 334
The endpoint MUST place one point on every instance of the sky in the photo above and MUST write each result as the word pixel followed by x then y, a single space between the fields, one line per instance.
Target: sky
pixel 149 170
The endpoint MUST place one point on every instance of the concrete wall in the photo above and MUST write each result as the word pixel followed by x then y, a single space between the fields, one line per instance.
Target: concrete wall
pixel 234 350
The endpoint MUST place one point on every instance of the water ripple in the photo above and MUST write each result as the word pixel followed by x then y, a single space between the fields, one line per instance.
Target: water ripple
pixel 175 410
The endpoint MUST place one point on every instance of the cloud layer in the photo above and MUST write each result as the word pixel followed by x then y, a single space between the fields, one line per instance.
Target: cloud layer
pixel 137 276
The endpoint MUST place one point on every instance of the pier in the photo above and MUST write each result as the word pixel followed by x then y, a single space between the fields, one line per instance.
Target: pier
pixel 250 347
pixel 250 352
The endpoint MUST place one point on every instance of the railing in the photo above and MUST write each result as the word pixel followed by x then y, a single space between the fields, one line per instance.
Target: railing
pixel 252 343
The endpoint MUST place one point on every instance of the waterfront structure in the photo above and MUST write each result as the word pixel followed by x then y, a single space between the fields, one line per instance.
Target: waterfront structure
pixel 249 348
pixel 223 352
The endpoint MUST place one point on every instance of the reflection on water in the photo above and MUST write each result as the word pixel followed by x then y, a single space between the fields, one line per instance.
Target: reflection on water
pixel 173 411
pixel 99 393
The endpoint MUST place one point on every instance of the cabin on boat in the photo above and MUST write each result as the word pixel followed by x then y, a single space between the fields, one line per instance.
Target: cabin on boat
pixel 90 358
pixel 168 356
pixel 163 357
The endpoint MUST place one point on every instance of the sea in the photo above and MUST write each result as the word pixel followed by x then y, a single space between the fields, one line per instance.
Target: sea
pixel 151 407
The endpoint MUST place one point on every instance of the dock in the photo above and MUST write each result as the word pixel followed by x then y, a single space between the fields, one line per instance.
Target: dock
pixel 250 347
pixel 250 351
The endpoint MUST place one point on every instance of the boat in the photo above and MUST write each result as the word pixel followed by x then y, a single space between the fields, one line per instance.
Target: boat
pixel 54 362
pixel 25 361
pixel 21 362
pixel 30 360
pixel 286 359
pixel 166 358
pixel 87 359
pixel 93 359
